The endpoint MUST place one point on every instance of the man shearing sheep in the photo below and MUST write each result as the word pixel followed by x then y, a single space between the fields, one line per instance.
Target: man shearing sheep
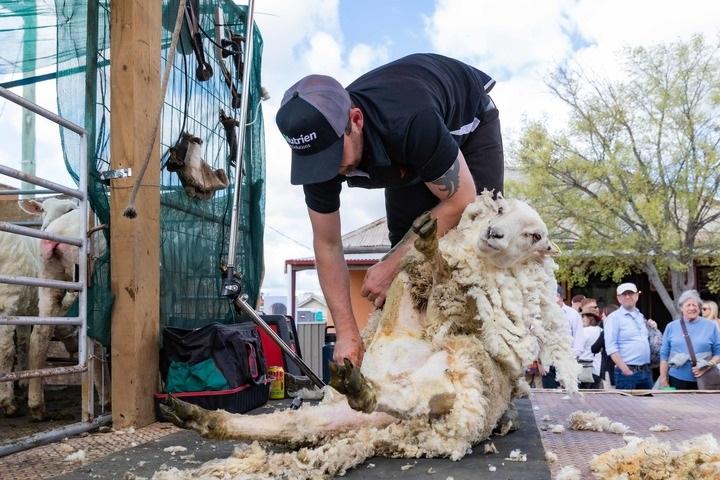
pixel 423 128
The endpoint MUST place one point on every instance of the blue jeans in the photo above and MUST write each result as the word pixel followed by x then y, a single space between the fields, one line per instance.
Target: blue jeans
pixel 639 380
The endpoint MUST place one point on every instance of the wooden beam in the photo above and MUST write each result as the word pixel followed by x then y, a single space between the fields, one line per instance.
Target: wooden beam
pixel 134 93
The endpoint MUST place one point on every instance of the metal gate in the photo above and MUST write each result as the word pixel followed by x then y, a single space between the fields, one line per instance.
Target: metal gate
pixel 89 421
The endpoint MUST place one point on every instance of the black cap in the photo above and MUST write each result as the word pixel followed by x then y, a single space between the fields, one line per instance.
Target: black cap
pixel 312 118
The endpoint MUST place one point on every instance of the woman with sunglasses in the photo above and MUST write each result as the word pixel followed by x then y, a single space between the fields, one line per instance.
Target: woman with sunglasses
pixel 710 311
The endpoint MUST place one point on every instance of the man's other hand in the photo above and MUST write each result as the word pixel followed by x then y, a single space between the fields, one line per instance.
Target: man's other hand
pixel 350 347
pixel 377 282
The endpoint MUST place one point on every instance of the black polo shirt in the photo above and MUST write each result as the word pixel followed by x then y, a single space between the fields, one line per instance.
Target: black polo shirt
pixel 418 111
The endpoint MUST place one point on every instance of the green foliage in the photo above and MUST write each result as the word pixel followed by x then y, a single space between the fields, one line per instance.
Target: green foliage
pixel 632 181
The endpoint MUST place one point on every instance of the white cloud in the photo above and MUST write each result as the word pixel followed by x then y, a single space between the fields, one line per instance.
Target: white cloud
pixel 301 38
pixel 520 42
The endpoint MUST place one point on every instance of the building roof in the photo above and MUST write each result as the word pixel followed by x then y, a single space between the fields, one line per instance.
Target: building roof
pixel 352 259
pixel 371 238
pixel 310 298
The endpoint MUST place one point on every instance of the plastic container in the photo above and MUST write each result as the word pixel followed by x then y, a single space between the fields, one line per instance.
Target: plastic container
pixel 327 352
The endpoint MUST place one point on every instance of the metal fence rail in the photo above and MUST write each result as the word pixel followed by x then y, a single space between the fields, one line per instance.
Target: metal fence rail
pixel 80 285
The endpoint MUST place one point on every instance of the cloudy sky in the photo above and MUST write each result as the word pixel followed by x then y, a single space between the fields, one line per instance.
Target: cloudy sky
pixel 518 42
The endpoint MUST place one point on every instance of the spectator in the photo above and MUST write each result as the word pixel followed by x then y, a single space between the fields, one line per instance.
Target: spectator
pixel 574 330
pixel 626 341
pixel 576 302
pixel 676 369
pixel 710 311
pixel 592 303
pixel 591 332
pixel 607 367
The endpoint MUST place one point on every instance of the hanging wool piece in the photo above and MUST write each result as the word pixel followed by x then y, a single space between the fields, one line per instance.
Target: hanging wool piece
pixel 198 178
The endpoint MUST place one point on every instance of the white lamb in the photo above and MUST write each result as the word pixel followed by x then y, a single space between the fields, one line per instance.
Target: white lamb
pixel 444 358
pixel 57 262
pixel 19 256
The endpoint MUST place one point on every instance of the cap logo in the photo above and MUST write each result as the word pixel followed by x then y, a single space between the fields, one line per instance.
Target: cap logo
pixel 302 141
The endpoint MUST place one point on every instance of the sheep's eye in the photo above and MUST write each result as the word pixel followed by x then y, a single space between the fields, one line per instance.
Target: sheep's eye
pixel 536 237
pixel 500 210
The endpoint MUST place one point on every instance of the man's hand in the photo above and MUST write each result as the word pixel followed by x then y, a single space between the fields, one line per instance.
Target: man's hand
pixel 627 372
pixel 664 381
pixel 350 347
pixel 377 282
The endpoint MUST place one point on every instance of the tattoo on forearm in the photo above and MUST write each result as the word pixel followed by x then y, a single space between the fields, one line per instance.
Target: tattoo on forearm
pixel 450 180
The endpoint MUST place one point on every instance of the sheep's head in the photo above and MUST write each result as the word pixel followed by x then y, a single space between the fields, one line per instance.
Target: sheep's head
pixel 49 209
pixel 515 233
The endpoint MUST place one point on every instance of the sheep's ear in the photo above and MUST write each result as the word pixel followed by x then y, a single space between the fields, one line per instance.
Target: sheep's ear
pixel 501 204
pixel 33 207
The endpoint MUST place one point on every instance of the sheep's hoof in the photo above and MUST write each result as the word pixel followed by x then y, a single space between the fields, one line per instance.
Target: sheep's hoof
pixel 425 226
pixel 38 414
pixel 10 410
pixel 348 380
pixel 186 415
pixel 509 422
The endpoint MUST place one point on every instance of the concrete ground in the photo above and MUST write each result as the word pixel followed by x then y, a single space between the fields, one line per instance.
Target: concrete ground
pixel 122 454
pixel 142 456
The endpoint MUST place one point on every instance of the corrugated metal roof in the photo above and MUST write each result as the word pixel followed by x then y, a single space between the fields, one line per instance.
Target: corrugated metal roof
pixel 358 259
pixel 371 238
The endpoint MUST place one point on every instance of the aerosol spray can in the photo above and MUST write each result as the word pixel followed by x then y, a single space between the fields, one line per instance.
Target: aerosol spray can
pixel 276 375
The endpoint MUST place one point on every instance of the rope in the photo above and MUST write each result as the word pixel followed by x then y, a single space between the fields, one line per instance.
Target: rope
pixel 130 210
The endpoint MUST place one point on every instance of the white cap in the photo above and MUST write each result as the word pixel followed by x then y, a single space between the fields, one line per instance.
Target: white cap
pixel 626 287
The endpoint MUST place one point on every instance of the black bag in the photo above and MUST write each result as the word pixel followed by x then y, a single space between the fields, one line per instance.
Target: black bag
pixel 236 350
pixel 710 380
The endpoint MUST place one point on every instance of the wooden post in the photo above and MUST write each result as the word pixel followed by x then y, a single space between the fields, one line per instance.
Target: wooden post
pixel 134 92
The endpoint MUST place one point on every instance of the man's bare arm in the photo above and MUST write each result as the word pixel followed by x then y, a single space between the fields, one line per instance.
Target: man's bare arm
pixel 335 284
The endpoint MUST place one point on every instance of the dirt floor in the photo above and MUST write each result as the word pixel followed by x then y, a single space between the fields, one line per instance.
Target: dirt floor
pixel 139 453
pixel 63 406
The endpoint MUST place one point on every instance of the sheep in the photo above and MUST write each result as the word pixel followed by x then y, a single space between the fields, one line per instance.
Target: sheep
pixel 19 256
pixel 58 262
pixel 444 358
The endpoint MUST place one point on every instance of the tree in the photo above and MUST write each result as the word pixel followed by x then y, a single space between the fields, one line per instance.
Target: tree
pixel 632 181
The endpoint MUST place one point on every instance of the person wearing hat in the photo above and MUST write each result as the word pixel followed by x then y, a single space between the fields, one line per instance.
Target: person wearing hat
pixel 626 341
pixel 423 128
pixel 591 362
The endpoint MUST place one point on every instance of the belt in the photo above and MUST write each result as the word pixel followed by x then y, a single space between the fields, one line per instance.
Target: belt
pixel 639 368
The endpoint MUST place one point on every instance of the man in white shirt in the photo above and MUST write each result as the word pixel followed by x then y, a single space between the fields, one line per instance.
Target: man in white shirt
pixel 574 330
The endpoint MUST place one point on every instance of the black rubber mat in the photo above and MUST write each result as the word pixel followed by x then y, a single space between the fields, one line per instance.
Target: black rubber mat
pixel 145 459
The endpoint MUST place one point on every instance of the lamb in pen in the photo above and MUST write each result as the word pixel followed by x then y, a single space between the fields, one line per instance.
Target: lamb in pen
pixel 444 358
pixel 19 257
pixel 57 262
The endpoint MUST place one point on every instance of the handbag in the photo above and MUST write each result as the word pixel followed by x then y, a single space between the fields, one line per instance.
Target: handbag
pixel 586 375
pixel 710 380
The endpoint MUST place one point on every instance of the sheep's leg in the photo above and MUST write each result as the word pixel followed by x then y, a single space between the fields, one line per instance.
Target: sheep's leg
pixel 39 345
pixel 508 422
pixel 50 305
pixel 7 358
pixel 425 226
pixel 308 425
pixel 348 380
